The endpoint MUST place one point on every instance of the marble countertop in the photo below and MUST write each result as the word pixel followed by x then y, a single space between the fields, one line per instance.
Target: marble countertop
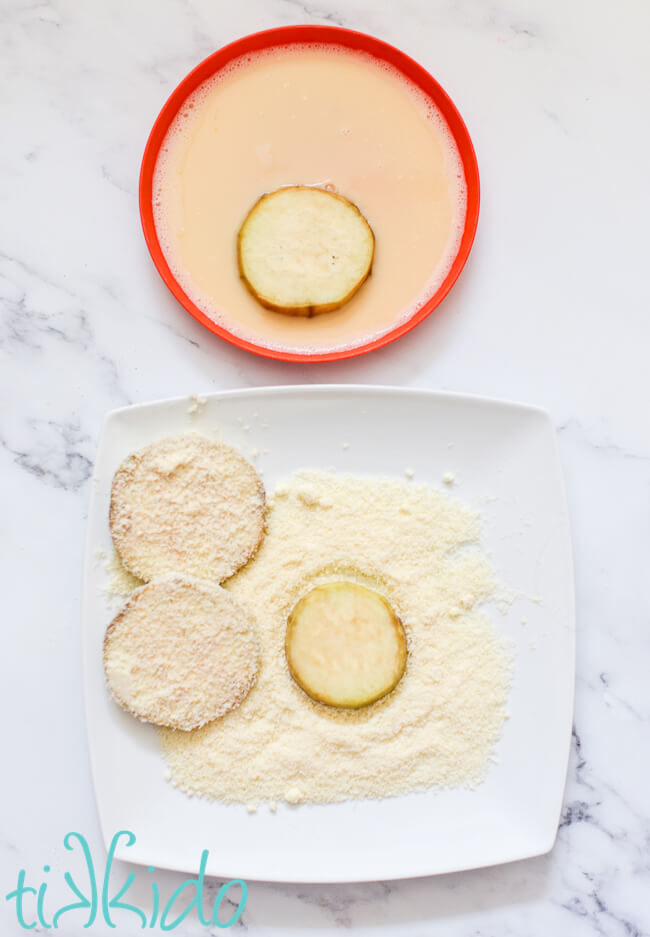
pixel 552 309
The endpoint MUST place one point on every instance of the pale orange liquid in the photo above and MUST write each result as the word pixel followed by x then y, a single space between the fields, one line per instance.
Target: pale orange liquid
pixel 313 116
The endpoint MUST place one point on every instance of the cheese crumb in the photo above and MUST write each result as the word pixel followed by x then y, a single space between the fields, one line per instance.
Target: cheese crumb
pixel 448 478
pixel 197 402
pixel 409 473
pixel 251 807
pixel 293 795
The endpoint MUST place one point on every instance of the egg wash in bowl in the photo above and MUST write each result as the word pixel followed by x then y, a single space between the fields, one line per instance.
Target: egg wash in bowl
pixel 310 115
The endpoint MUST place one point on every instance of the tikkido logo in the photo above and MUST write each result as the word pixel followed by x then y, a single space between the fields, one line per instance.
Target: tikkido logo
pixel 95 902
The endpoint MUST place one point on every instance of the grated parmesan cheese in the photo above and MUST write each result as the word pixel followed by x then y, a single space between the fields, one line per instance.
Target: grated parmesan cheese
pixel 438 728
pixel 121 582
pixel 197 402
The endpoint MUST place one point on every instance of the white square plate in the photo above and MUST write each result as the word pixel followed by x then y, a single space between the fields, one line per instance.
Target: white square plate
pixel 505 463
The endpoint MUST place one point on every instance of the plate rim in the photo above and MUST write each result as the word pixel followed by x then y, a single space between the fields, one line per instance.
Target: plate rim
pixel 289 389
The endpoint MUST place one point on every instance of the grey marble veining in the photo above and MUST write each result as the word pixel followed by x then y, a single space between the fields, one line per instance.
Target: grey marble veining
pixel 552 309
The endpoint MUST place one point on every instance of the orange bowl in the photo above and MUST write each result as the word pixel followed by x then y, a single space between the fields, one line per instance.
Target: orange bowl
pixel 322 35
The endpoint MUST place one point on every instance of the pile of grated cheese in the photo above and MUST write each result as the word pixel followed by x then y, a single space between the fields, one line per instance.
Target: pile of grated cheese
pixel 438 728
